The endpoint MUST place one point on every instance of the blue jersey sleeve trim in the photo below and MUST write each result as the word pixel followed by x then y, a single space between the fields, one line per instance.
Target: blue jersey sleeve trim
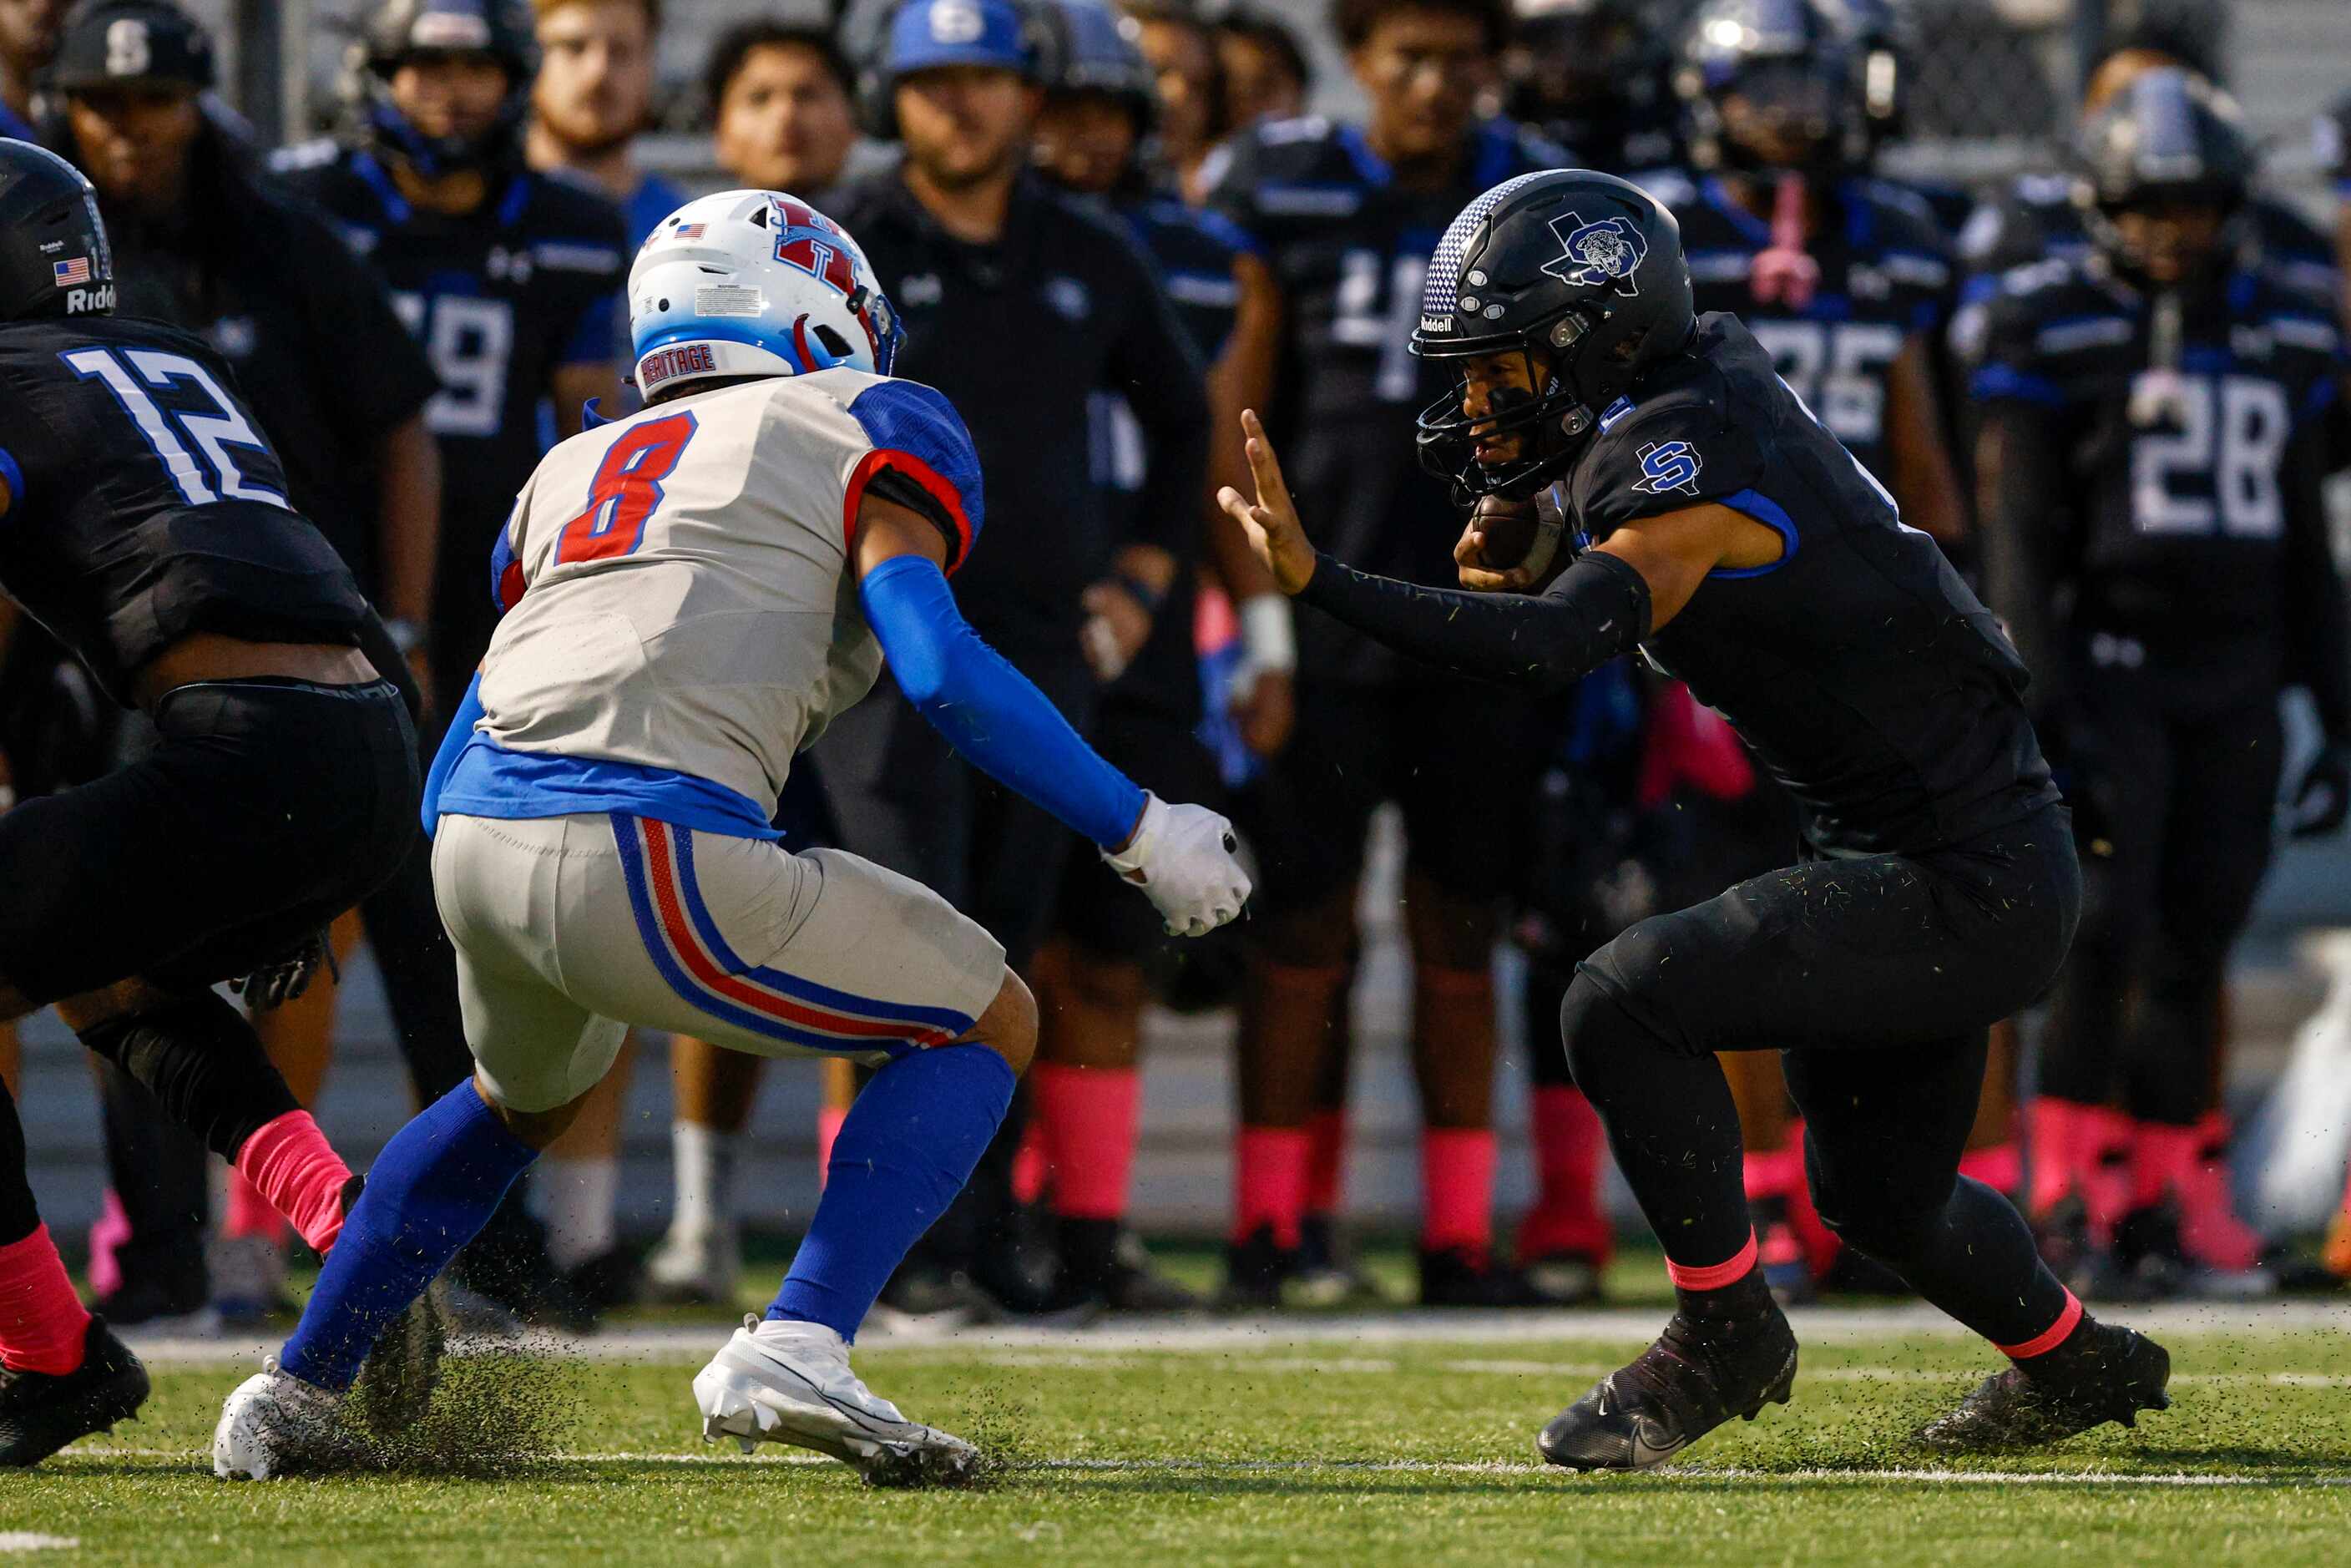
pixel 1773 515
pixel 988 710
pixel 12 476
pixel 506 583
pixel 1995 383
pixel 917 420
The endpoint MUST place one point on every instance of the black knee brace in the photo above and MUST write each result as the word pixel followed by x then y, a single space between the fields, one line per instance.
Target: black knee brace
pixel 200 1057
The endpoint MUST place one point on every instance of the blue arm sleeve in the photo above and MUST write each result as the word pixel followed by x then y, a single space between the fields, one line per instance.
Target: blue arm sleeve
pixel 461 730
pixel 986 710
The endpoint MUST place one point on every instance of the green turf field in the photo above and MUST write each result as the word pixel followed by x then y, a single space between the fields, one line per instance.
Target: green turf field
pixel 1341 1442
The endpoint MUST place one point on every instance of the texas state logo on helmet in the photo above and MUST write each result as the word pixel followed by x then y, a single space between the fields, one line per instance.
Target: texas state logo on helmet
pixel 755 283
pixel 1610 250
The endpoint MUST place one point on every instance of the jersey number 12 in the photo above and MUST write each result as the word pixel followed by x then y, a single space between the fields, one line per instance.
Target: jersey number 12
pixel 625 491
pixel 213 434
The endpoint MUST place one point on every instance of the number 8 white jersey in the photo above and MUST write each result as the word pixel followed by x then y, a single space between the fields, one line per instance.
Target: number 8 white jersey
pixel 677 586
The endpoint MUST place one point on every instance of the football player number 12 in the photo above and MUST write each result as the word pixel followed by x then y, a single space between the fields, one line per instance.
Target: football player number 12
pixel 129 373
pixel 625 492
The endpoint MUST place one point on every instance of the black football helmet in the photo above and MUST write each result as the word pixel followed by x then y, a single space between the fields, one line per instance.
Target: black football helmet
pixel 402 31
pixel 1583 273
pixel 54 256
pixel 1882 40
pixel 1777 67
pixel 2170 138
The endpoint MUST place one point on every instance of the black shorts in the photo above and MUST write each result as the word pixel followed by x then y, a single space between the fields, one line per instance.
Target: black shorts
pixel 268 807
pixel 1105 917
pixel 1881 951
pixel 1456 757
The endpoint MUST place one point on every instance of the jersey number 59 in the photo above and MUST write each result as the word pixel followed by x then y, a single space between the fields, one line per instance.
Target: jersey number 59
pixel 625 491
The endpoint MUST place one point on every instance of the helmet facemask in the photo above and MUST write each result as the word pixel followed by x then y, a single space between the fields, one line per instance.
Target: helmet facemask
pixel 1530 420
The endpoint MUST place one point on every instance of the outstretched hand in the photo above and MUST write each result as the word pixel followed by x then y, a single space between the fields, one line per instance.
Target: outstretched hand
pixel 1270 521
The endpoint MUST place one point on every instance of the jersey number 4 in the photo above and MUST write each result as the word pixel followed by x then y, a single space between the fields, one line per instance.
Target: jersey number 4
pixel 218 478
pixel 625 491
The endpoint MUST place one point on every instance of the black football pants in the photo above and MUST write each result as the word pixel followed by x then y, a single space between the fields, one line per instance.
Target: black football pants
pixel 2172 858
pixel 1876 978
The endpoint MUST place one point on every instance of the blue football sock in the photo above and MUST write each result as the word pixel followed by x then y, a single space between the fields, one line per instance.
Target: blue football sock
pixel 434 1186
pixel 905 1149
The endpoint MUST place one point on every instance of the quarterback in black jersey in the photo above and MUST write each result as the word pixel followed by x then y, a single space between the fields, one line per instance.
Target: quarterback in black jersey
pixel 2154 441
pixel 147 530
pixel 1724 533
pixel 508 275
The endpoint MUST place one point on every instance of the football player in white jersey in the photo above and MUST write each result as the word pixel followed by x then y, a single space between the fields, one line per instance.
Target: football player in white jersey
pixel 689 595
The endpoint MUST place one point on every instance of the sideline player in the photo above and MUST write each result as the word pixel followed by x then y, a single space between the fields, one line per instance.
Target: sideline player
pixel 1096 969
pixel 146 528
pixel 1721 529
pixel 1347 215
pixel 691 595
pixel 2155 439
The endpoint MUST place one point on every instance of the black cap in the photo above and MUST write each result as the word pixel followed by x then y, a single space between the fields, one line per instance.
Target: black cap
pixel 125 41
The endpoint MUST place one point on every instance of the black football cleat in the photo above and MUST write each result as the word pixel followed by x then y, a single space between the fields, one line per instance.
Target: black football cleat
pixel 1697 1377
pixel 41 1412
pixel 1256 1270
pixel 2105 1373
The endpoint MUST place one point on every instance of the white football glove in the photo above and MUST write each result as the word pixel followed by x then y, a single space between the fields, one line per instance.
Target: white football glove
pixel 1182 857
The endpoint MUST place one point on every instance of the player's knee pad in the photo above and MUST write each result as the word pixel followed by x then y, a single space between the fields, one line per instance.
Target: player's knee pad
pixel 200 1057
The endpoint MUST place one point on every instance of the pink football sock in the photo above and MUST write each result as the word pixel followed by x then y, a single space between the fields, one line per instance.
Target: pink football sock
pixel 42 1322
pixel 2000 1167
pixel 249 1212
pixel 1567 1216
pixel 1713 1276
pixel 1772 1172
pixel 1090 1117
pixel 2068 1141
pixel 108 1233
pixel 2210 1226
pixel 299 1174
pixel 829 1119
pixel 1269 1182
pixel 1326 1160
pixel 2162 1161
pixel 2068 1319
pixel 1457 1189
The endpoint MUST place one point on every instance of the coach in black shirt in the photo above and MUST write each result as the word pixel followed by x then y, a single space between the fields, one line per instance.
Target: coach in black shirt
pixel 1021 305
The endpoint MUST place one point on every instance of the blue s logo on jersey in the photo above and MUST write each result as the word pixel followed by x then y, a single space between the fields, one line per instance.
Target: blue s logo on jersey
pixel 1610 250
pixel 1668 466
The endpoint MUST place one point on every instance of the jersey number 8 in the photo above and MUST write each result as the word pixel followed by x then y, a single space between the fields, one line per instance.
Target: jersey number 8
pixel 625 491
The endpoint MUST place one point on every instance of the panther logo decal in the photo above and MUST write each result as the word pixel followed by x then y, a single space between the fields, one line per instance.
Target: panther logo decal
pixel 1608 251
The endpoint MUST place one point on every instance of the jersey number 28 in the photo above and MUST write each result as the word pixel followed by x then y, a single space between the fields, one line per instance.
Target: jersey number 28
pixel 625 491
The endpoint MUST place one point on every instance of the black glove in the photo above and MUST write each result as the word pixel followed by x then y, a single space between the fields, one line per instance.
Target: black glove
pixel 288 975
pixel 2324 796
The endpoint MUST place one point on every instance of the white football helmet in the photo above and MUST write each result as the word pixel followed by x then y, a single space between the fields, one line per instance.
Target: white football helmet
pixel 749 283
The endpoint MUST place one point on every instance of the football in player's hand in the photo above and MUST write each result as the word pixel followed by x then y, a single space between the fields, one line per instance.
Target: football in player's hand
pixel 1505 529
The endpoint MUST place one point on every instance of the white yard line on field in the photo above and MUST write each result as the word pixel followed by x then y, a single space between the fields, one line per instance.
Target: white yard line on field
pixel 1346 1336
pixel 720 1454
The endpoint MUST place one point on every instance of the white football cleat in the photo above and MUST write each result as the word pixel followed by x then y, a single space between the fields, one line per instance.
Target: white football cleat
pixel 276 1425
pixel 791 1383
